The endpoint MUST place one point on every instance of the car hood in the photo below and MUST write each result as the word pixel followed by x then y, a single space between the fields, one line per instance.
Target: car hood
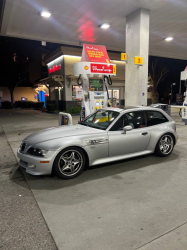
pixel 60 132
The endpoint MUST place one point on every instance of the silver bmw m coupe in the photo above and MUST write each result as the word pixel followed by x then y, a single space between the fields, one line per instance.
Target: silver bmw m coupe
pixel 107 135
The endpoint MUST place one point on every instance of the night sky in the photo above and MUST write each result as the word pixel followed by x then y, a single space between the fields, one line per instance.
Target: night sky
pixel 175 66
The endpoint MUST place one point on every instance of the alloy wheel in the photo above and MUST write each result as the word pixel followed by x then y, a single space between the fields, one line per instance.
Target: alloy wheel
pixel 70 162
pixel 166 144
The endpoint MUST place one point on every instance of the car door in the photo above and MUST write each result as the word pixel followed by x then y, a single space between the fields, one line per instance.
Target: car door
pixel 155 123
pixel 133 141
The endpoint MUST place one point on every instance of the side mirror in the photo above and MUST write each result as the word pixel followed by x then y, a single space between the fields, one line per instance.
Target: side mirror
pixel 126 128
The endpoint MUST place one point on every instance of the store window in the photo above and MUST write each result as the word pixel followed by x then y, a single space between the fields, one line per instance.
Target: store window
pixel 76 92
pixel 114 95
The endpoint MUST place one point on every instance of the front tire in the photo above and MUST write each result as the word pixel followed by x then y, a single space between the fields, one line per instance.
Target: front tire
pixel 69 163
pixel 164 145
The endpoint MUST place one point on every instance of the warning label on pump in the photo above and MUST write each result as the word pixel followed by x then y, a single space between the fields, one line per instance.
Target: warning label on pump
pixel 102 68
pixel 82 113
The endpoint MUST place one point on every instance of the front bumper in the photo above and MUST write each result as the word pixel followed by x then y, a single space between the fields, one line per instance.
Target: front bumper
pixel 176 138
pixel 32 164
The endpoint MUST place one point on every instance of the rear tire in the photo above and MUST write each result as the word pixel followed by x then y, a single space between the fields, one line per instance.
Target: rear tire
pixel 69 163
pixel 165 145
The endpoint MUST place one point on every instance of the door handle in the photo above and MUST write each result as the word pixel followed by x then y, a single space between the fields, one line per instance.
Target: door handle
pixel 145 133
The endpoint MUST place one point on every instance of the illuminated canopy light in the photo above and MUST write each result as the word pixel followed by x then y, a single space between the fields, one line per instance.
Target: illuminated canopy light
pixel 105 26
pixel 169 39
pixel 45 14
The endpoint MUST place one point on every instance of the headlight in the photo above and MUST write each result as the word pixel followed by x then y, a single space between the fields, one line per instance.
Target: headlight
pixel 37 151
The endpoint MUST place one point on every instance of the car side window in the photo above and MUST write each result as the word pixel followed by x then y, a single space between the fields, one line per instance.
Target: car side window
pixel 155 118
pixel 134 119
pixel 120 123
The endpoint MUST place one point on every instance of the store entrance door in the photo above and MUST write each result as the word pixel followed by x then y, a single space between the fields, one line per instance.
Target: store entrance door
pixel 114 95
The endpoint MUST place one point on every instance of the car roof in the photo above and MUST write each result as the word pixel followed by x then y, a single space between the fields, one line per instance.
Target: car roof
pixel 114 109
pixel 131 108
pixel 121 109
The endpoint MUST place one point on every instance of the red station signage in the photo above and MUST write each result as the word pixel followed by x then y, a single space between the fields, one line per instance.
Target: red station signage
pixel 94 60
pixel 102 68
pixel 54 68
pixel 95 53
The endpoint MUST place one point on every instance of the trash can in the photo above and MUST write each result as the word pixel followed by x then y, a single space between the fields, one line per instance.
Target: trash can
pixel 165 107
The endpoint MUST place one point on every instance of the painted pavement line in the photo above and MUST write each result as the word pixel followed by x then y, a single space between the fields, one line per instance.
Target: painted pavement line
pixel 170 231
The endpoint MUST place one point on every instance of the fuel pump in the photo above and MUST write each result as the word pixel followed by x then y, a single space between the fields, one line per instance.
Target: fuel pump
pixel 95 93
pixel 184 113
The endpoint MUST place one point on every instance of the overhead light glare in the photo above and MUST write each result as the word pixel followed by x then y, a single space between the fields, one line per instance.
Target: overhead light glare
pixel 45 14
pixel 169 39
pixel 105 26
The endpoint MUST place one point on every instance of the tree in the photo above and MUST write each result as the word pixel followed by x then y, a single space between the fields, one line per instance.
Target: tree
pixel 14 64
pixel 157 73
pixel 19 72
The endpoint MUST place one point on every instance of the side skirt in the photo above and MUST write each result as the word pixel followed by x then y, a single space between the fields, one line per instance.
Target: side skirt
pixel 120 157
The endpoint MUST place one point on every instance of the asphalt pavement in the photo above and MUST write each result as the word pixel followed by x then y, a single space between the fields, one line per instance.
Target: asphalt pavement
pixel 133 204
pixel 22 226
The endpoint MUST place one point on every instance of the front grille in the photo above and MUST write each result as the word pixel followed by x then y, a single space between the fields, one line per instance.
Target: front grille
pixel 23 146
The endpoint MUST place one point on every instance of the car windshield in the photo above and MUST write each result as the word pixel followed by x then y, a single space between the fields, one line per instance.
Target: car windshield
pixel 101 119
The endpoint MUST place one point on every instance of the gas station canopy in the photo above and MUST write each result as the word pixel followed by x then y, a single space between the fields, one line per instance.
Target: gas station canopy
pixel 77 22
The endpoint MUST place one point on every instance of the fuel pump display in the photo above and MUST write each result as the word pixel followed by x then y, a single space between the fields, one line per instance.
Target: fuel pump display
pixel 94 63
pixel 96 85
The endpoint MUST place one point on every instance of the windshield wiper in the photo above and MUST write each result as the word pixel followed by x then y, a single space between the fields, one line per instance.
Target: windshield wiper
pixel 82 123
pixel 91 126
pixel 87 124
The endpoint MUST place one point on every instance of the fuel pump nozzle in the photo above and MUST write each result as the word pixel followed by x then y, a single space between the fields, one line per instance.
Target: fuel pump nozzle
pixel 107 81
pixel 78 81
